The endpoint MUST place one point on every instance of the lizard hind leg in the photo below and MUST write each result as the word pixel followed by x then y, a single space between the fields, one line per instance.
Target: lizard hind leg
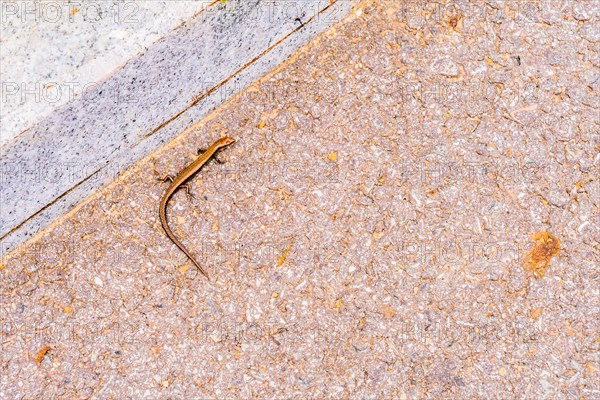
pixel 187 190
pixel 185 186
pixel 165 178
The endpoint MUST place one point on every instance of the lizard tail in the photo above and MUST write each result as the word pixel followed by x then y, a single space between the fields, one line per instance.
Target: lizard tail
pixel 165 225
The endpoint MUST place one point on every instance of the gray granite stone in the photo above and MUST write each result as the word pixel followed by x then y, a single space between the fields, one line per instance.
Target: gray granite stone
pixel 52 51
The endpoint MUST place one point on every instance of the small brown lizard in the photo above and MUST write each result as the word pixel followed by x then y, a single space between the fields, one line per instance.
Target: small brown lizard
pixel 178 182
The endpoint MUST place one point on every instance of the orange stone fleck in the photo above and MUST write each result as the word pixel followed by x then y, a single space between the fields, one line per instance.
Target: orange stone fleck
pixel 389 312
pixel 41 354
pixel 538 259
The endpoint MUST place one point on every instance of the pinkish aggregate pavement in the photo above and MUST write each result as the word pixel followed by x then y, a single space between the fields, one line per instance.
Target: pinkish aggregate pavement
pixel 365 237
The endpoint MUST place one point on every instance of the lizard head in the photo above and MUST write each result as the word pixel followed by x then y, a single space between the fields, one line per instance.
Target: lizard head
pixel 225 141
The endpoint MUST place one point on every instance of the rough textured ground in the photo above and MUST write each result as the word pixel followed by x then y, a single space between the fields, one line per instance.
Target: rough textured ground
pixel 366 236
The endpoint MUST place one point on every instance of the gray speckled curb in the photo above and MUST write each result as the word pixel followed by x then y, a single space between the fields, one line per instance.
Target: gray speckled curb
pixel 50 168
pixel 53 51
